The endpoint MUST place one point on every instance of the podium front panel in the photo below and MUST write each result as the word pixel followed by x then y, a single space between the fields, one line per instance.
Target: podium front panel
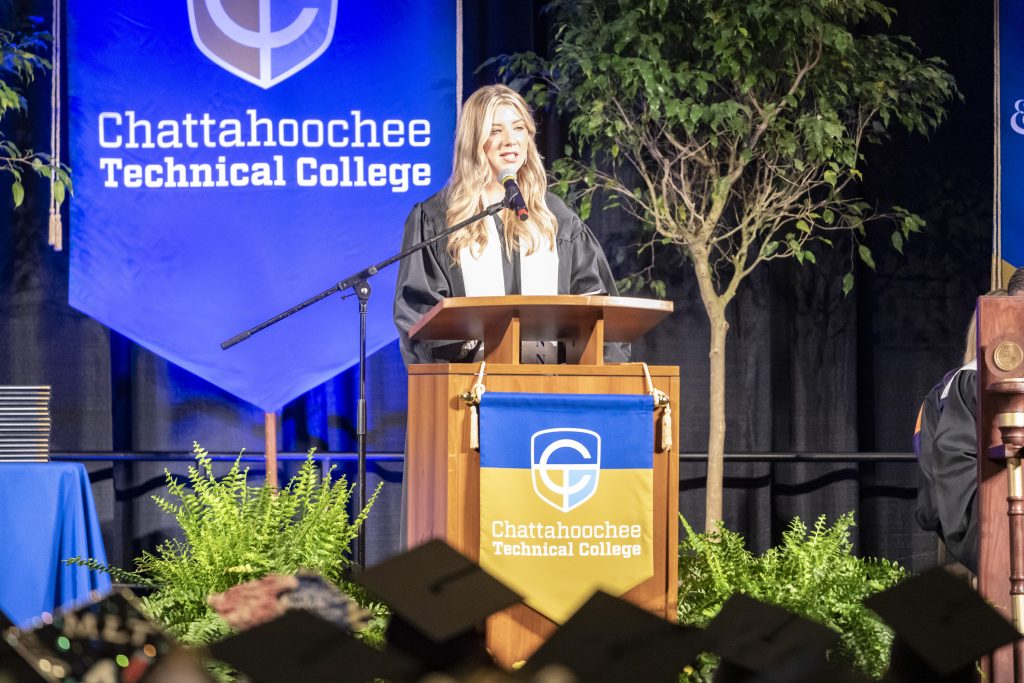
pixel 444 476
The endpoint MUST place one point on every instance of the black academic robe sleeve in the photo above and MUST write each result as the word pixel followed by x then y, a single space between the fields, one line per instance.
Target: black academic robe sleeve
pixel 424 279
pixel 955 470
pixel 430 275
pixel 926 508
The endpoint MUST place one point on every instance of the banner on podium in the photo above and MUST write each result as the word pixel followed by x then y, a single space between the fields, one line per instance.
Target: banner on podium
pixel 566 495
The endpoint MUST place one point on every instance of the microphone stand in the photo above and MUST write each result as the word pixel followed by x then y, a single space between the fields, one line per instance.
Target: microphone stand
pixel 360 286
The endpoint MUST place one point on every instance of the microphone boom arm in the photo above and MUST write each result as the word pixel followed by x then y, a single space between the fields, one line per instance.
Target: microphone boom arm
pixel 362 275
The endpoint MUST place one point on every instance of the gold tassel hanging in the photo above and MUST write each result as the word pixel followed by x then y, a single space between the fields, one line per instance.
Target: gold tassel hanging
pixel 472 399
pixel 474 427
pixel 56 228
pixel 666 425
pixel 661 400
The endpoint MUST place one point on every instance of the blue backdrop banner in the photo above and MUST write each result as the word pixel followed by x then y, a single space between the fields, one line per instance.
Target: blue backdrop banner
pixel 234 157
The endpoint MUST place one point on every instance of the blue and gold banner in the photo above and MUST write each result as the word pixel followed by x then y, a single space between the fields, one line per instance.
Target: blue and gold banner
pixel 566 495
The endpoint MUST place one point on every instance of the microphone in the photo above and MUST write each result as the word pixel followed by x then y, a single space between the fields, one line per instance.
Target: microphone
pixel 513 197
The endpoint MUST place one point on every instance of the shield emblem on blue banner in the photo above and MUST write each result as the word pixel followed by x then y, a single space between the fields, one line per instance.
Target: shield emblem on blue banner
pixel 262 41
pixel 565 464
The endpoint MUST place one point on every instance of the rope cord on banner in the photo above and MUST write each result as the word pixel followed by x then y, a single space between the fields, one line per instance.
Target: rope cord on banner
pixel 472 396
pixel 661 400
pixel 56 229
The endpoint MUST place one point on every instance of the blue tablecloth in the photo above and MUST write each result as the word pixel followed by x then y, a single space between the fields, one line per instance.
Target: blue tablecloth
pixel 46 516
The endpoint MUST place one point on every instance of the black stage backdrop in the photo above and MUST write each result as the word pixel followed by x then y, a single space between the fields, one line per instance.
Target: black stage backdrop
pixel 809 370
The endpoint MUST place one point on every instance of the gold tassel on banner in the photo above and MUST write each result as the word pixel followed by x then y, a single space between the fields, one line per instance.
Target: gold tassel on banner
pixel 662 401
pixel 474 427
pixel 472 399
pixel 56 228
pixel 666 425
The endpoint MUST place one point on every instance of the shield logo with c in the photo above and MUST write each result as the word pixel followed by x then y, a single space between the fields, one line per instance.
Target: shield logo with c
pixel 565 464
pixel 262 41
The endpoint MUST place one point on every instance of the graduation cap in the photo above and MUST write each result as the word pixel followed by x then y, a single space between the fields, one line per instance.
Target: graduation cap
pixel 609 639
pixel 757 641
pixel 300 646
pixel 439 599
pixel 942 625
pixel 108 635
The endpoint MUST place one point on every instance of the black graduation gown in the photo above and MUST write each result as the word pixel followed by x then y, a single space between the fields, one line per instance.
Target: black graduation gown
pixel 430 275
pixel 950 467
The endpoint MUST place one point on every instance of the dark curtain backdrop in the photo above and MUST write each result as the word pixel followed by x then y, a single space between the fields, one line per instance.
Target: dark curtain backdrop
pixel 809 370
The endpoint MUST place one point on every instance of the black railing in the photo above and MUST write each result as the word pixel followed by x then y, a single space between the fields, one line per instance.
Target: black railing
pixel 249 456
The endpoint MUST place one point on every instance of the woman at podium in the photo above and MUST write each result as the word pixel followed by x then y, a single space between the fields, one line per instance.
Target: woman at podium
pixel 541 248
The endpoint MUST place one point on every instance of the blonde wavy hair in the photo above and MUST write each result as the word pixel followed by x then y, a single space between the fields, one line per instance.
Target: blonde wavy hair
pixel 471 174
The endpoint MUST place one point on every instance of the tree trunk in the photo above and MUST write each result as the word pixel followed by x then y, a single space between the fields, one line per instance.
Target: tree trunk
pixel 714 305
pixel 716 420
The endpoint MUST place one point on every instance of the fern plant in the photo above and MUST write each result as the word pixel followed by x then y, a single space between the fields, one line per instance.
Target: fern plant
pixel 812 573
pixel 233 533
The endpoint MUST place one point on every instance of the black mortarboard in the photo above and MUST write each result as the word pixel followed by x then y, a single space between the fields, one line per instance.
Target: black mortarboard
pixel 752 637
pixel 439 599
pixel 437 590
pixel 941 623
pixel 609 639
pixel 300 646
pixel 108 633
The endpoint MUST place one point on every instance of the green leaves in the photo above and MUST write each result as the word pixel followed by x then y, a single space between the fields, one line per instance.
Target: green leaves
pixel 897 241
pixel 233 533
pixel 865 255
pixel 58 191
pixel 812 572
pixel 719 102
pixel 21 60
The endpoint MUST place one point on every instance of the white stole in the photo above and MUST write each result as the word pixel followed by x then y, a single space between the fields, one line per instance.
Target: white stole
pixel 483 274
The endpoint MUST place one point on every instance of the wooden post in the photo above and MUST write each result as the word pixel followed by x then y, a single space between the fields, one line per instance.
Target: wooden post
pixel 270 452
pixel 1000 391
pixel 1010 421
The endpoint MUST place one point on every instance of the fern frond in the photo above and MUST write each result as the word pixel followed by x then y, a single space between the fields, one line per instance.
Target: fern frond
pixel 115 573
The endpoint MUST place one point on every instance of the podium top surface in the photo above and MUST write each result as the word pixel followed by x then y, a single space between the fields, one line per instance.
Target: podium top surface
pixel 542 317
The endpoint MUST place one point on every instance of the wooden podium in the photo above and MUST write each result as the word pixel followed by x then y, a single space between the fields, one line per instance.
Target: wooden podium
pixel 1000 322
pixel 444 472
